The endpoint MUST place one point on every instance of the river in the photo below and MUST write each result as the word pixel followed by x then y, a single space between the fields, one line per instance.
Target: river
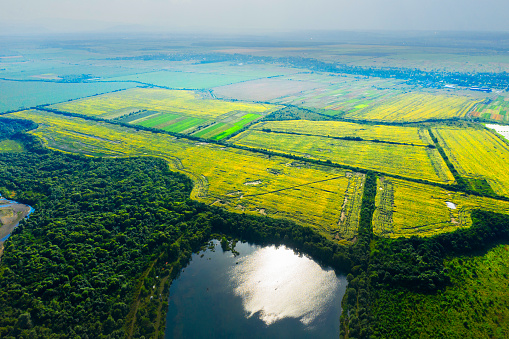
pixel 264 292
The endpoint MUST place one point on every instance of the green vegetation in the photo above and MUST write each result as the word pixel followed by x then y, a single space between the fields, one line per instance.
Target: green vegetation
pixel 406 209
pixel 209 130
pixel 169 110
pixel 246 119
pixel 496 109
pixel 158 120
pixel 10 127
pixel 236 179
pixel 477 154
pixel 108 217
pixel 183 125
pixel 460 298
pixel 113 225
pixel 10 146
pixel 473 306
pixel 416 107
pixel 356 316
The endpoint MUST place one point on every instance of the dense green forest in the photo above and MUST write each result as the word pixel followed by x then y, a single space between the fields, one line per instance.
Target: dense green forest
pixel 70 269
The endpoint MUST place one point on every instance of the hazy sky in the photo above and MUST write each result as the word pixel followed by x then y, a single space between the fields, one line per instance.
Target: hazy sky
pixel 245 16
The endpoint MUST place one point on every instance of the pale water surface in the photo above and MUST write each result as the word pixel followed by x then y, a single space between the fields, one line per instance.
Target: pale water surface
pixel 500 129
pixel 265 292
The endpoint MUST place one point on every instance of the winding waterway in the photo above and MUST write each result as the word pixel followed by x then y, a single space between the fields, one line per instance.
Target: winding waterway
pixel 265 292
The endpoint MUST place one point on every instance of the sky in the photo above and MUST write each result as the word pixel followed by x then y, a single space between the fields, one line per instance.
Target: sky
pixel 251 16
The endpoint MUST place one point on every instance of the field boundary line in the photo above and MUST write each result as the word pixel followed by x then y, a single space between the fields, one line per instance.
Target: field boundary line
pixel 357 139
pixel 292 187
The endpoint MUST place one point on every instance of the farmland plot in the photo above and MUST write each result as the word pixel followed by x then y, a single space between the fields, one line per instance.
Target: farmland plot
pixel 327 199
pixel 477 154
pixel 416 107
pixel 404 160
pixel 338 94
pixel 174 111
pixel 404 209
pixel 496 109
pixel 340 129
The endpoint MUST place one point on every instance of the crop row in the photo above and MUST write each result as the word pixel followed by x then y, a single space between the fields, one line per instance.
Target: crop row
pixel 404 160
pixel 416 107
pixel 404 209
pixel 477 154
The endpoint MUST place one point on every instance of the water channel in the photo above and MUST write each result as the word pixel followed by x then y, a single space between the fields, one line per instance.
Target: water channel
pixel 264 292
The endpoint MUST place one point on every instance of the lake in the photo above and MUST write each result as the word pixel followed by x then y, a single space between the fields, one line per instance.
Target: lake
pixel 264 292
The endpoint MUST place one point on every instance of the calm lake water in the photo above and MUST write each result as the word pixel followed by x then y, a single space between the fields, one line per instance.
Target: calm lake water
pixel 265 292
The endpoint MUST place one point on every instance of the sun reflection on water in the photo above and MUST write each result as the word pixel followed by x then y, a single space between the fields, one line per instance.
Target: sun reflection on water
pixel 274 283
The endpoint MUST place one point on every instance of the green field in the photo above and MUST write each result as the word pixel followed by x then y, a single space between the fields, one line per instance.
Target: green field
pixel 475 305
pixel 495 109
pixel 246 119
pixel 10 146
pixel 158 120
pixel 183 125
pixel 209 131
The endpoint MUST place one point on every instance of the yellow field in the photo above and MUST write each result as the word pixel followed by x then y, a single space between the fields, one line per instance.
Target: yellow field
pixel 410 161
pixel 416 107
pixel 477 153
pixel 407 135
pixel 404 209
pixel 324 198
pixel 116 104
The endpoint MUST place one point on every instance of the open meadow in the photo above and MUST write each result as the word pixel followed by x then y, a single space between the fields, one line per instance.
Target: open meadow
pixel 405 209
pixel 171 110
pixel 10 146
pixel 477 153
pixel 324 198
pixel 419 162
pixel 474 305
